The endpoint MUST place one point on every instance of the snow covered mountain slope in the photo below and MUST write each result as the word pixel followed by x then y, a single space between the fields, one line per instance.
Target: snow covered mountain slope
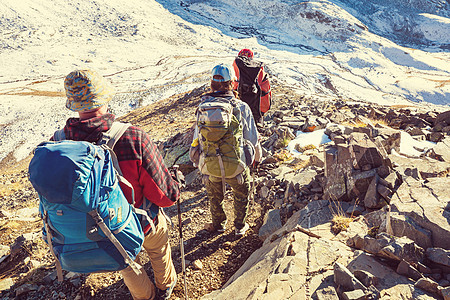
pixel 151 50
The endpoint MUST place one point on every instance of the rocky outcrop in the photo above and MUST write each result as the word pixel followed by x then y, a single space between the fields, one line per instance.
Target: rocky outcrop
pixel 392 175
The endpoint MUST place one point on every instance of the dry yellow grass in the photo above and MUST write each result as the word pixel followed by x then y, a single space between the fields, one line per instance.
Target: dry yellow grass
pixel 359 123
pixel 283 155
pixel 33 92
pixel 340 223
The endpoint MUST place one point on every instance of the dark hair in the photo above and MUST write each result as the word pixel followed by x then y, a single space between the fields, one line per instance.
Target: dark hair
pixel 224 86
pixel 221 86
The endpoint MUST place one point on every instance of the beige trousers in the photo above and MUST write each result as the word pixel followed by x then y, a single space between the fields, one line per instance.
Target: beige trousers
pixel 157 245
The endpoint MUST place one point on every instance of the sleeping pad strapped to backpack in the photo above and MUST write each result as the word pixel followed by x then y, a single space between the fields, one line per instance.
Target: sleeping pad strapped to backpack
pixel 88 223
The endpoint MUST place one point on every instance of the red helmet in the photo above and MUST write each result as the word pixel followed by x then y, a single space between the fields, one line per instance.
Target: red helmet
pixel 246 52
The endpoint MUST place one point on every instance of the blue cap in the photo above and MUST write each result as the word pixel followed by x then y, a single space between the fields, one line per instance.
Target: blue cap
pixel 223 70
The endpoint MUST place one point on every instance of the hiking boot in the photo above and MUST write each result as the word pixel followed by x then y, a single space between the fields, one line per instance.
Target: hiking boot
pixel 211 228
pixel 165 294
pixel 242 231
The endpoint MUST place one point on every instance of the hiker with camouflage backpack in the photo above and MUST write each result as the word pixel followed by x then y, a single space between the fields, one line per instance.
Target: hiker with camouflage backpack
pixel 153 186
pixel 225 144
pixel 252 84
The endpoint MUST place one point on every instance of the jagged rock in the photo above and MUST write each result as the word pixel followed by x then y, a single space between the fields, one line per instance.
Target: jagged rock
pixel 177 151
pixel 442 149
pixel 443 117
pixel 427 167
pixel 338 167
pixel 389 247
pixel 302 177
pixel 315 158
pixel 364 151
pixel 344 278
pixel 405 226
pixel 280 172
pixel 272 271
pixel 271 223
pixel 407 270
pixel 368 244
pixel 354 295
pixel 435 137
pixel 391 181
pixel 439 256
pixel 22 242
pixel 428 285
pixel 365 277
pixel 391 284
pixel 372 198
pixel 49 278
pixel 295 123
pixel 426 204
pixel 25 288
pixel 326 293
pixel 333 131
pixel 314 123
pixel 401 249
pixel 385 192
pixel 284 136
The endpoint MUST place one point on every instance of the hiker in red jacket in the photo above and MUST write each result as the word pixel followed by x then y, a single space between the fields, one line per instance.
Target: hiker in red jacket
pixel 142 165
pixel 252 84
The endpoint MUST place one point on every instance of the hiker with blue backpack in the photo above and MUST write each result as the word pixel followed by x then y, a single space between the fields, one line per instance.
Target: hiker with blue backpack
pixel 88 221
pixel 225 144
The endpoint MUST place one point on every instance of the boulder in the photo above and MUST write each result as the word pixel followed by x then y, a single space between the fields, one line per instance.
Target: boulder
pixel 442 150
pixel 443 117
pixel 345 279
pixel 364 151
pixel 428 285
pixel 440 257
pixel 271 223
pixel 354 295
pixel 402 249
pixel 390 284
pixel 402 225
pixel 338 167
pixel 366 278
pixel 409 271
pixel 372 198
pixel 426 167
pixel 427 205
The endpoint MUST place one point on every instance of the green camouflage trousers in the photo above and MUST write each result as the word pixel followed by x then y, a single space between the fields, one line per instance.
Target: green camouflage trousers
pixel 241 193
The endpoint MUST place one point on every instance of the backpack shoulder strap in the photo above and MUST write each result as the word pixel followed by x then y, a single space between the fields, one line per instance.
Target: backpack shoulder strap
pixel 111 137
pixel 59 135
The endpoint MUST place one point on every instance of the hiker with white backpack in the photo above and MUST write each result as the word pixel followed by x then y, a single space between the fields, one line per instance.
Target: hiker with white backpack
pixel 225 144
pixel 150 185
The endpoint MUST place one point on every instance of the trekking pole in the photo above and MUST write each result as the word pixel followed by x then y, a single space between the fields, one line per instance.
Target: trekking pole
pixel 183 262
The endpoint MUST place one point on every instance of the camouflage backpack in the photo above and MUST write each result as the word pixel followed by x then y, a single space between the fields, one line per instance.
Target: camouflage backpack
pixel 221 139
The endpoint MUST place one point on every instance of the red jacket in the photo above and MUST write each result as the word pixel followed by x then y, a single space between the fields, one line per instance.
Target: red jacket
pixel 139 159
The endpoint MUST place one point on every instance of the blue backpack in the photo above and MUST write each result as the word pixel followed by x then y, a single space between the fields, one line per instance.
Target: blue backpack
pixel 88 223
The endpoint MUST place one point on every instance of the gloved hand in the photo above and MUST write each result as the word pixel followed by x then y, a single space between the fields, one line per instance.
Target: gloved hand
pixel 178 176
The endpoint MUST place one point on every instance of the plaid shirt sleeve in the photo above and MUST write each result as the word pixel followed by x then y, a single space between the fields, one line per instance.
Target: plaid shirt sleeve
pixel 143 165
